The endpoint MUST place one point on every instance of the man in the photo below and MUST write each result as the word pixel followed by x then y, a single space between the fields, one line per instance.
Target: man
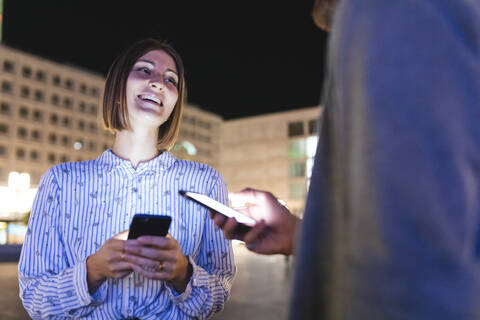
pixel 391 225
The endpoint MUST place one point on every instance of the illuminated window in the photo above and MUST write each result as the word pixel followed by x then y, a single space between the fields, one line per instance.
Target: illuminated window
pixel 296 148
pixel 298 190
pixel 297 169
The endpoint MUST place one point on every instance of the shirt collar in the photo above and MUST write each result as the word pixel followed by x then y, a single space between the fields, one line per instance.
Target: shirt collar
pixel 110 162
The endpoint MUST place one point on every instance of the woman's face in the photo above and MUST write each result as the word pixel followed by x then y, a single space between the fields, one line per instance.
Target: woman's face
pixel 152 89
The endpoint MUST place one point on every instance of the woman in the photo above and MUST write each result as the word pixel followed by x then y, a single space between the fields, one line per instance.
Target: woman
pixel 74 262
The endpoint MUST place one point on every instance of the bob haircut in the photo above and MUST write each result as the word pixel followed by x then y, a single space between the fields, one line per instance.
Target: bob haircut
pixel 115 112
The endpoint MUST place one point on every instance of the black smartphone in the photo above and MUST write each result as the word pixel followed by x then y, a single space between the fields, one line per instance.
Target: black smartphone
pixel 149 225
pixel 245 223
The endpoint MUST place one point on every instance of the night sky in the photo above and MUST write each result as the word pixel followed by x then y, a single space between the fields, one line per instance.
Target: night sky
pixel 242 58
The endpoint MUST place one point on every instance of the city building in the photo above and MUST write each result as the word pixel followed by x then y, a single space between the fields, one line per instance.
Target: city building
pixel 271 152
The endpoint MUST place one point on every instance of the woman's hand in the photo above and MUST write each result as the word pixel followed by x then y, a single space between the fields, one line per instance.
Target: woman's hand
pixel 159 258
pixel 107 262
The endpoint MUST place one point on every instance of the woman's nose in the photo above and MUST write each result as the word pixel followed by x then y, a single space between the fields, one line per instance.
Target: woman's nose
pixel 156 83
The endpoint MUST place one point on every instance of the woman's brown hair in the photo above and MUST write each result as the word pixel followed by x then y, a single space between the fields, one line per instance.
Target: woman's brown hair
pixel 115 112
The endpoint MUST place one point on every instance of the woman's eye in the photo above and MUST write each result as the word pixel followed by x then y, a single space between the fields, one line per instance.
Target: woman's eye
pixel 144 70
pixel 171 80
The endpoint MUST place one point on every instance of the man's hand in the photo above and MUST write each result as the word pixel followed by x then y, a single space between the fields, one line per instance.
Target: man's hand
pixel 275 230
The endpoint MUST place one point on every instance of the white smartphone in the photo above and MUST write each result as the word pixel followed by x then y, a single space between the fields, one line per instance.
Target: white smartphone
pixel 219 207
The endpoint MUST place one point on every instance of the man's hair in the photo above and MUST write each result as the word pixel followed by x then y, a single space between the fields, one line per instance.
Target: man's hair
pixel 115 112
pixel 323 11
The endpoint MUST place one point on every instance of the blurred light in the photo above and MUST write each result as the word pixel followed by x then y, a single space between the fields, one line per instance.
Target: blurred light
pixel 18 181
pixel 77 145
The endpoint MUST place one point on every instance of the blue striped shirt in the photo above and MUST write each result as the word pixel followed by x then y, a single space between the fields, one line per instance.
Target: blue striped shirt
pixel 79 205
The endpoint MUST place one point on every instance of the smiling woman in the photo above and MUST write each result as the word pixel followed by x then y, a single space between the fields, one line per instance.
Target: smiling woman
pixel 82 209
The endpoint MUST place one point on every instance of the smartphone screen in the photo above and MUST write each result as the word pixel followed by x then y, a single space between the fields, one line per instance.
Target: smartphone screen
pixel 219 207
pixel 149 225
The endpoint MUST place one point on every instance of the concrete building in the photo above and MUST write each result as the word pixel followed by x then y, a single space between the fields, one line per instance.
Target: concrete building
pixel 271 152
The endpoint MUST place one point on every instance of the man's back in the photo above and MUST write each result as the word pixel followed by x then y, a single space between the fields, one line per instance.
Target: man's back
pixel 395 235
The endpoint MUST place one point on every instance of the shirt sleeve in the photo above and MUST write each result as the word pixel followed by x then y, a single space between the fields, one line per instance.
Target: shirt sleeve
pixel 213 269
pixel 49 286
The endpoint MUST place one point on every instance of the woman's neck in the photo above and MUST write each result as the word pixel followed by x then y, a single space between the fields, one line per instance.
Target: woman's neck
pixel 137 146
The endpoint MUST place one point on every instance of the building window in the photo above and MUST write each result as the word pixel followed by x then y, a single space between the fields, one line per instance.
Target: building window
pixel 36 135
pixel 94 92
pixel 298 190
pixel 37 115
pixel 65 141
pixel 297 169
pixel 66 122
pixel 93 127
pixel 83 88
pixel 53 119
pixel 63 158
pixel 297 149
pixel 92 146
pixel 295 129
pixel 67 103
pixel 52 138
pixel 69 84
pixel 82 107
pixel 40 76
pixel 22 133
pixel 39 95
pixel 3 129
pixel 27 72
pixel 25 92
pixel 55 100
pixel 5 108
pixel 7 87
pixel 93 109
pixel 313 127
pixel 20 154
pixel 8 66
pixel 34 155
pixel 51 157
pixel 56 80
pixel 81 125
pixel 23 112
pixel 3 151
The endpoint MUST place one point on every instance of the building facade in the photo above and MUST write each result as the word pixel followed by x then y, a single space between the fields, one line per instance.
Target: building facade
pixel 271 152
